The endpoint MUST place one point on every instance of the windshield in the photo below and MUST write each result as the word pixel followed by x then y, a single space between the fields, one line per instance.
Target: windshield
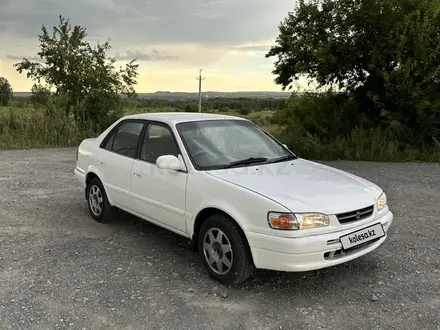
pixel 216 144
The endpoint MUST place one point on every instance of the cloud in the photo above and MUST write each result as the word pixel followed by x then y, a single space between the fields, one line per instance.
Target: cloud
pixel 181 36
pixel 153 56
pixel 20 58
pixel 149 22
pixel 253 48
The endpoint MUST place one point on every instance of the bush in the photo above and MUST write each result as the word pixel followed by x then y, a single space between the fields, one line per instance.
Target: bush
pixel 5 92
pixel 191 107
pixel 327 126
pixel 244 111
pixel 325 115
pixel 38 129
pixel 56 124
pixel 40 95
pixel 360 144
pixel 225 109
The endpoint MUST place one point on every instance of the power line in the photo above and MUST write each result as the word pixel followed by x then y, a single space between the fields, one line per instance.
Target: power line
pixel 200 78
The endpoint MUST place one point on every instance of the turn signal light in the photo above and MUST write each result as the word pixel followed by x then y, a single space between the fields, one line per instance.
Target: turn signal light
pixel 283 221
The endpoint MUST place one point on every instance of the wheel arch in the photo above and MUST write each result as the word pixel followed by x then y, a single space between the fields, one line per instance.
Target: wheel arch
pixel 203 215
pixel 91 175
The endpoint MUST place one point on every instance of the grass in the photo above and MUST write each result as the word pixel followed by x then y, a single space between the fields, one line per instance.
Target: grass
pixel 26 127
pixel 360 144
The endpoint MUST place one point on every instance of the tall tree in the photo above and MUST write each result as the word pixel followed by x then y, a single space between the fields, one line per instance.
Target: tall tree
pixel 71 65
pixel 5 92
pixel 384 52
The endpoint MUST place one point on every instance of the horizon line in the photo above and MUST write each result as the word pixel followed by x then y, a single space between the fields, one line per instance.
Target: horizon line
pixel 195 92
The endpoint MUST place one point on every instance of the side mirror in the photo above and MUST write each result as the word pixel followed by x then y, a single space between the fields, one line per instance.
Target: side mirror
pixel 169 162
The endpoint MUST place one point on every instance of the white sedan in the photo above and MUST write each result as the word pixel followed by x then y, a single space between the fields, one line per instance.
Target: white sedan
pixel 243 198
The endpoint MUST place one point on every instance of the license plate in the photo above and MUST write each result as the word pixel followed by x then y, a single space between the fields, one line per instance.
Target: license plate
pixel 362 236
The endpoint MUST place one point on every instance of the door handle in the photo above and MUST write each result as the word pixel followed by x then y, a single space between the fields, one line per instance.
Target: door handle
pixel 138 175
pixel 101 162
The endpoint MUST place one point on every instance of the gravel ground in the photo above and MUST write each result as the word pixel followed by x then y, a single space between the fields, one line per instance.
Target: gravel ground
pixel 61 270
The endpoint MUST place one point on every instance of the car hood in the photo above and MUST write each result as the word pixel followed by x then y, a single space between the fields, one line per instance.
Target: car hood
pixel 304 186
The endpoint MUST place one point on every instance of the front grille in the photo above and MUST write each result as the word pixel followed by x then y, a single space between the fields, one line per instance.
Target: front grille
pixel 341 253
pixel 355 215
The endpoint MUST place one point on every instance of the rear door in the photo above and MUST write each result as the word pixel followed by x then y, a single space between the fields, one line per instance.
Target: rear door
pixel 115 161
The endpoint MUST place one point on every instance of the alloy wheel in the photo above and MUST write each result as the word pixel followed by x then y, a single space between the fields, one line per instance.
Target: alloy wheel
pixel 96 202
pixel 218 251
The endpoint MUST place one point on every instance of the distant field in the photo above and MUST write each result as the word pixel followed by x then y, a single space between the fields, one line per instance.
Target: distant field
pixel 261 118
pixel 26 111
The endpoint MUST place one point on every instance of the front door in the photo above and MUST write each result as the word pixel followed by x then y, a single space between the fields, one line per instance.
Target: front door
pixel 159 194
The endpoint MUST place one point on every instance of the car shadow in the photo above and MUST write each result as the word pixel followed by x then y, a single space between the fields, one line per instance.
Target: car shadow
pixel 175 254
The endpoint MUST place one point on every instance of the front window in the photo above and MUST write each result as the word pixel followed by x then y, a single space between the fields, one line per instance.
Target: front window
pixel 216 144
pixel 158 141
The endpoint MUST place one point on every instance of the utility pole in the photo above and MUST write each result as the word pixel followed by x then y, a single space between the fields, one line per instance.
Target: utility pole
pixel 200 78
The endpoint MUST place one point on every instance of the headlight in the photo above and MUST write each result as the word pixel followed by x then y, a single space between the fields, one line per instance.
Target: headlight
pixel 288 221
pixel 382 202
pixel 312 220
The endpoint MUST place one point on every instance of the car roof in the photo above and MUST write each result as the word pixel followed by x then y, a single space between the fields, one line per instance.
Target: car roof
pixel 174 118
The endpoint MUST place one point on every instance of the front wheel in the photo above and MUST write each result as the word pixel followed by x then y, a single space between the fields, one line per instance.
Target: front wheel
pixel 99 206
pixel 225 251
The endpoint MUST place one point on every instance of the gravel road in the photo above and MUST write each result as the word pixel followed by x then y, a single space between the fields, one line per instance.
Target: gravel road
pixel 61 270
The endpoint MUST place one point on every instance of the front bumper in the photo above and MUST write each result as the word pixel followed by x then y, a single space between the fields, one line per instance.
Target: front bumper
pixel 311 252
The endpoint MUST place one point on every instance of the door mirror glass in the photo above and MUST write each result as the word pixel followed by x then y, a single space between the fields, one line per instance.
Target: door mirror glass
pixel 169 162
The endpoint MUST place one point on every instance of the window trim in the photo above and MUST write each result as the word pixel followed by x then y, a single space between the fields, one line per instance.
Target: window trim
pixel 143 132
pixel 115 130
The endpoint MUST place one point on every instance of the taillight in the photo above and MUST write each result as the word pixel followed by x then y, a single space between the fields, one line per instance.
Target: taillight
pixel 76 155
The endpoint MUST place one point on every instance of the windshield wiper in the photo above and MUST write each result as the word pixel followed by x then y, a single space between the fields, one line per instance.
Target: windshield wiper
pixel 282 159
pixel 247 161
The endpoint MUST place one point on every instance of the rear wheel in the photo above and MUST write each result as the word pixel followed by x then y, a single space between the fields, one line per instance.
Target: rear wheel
pixel 99 206
pixel 225 251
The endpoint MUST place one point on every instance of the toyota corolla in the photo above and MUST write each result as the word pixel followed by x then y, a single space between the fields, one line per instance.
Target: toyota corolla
pixel 243 198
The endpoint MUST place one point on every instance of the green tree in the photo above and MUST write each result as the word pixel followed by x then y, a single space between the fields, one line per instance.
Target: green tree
pixel 72 66
pixel 5 92
pixel 385 53
pixel 40 95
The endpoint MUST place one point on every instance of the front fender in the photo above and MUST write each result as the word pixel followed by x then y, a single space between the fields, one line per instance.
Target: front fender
pixel 247 208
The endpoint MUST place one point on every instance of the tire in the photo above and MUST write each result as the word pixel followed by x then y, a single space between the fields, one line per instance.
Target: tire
pixel 217 258
pixel 100 210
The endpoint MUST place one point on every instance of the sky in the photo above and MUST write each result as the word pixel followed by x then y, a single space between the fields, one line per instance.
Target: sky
pixel 172 39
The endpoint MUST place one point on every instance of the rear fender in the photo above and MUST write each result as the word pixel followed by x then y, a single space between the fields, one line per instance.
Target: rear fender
pixel 95 170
